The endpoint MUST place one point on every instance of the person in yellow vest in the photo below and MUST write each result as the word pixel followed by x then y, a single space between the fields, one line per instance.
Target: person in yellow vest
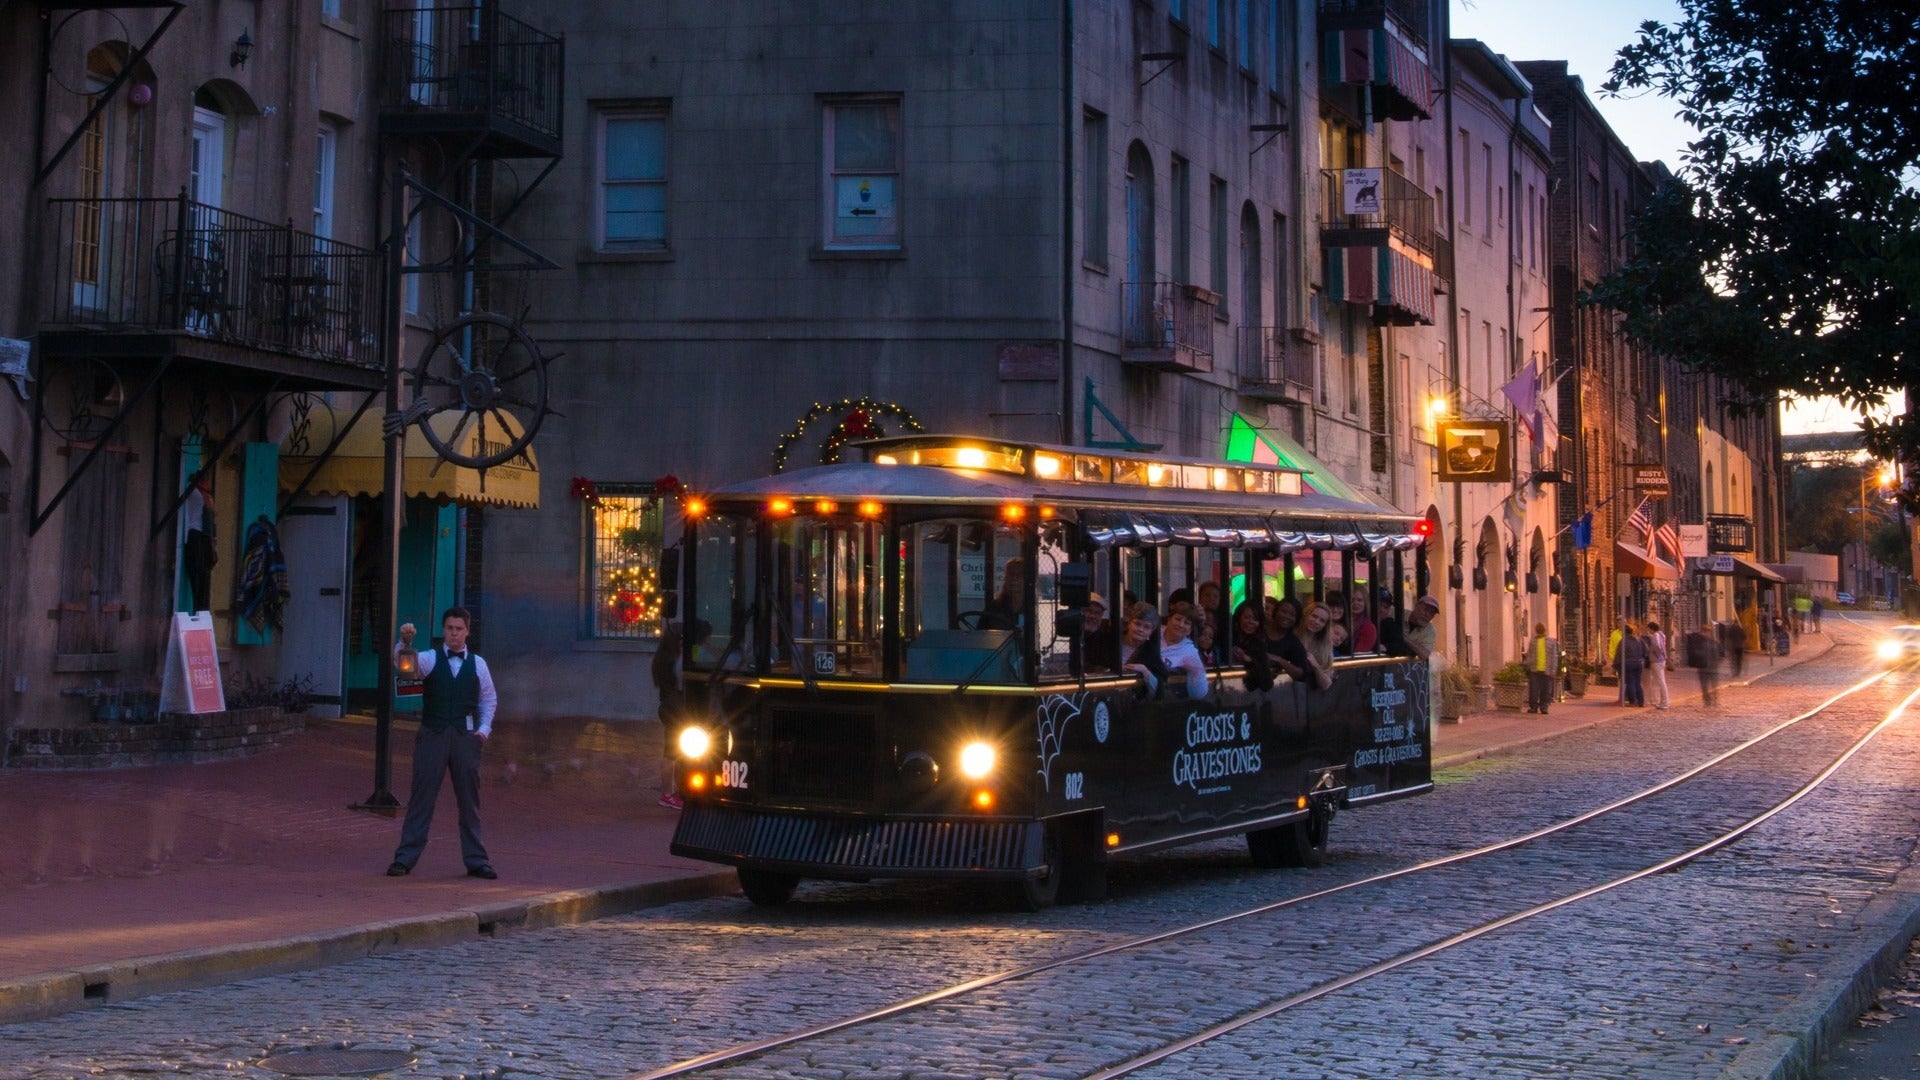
pixel 1613 661
pixel 1543 663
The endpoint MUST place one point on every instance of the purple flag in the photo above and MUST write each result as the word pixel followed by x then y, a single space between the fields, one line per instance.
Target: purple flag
pixel 1524 391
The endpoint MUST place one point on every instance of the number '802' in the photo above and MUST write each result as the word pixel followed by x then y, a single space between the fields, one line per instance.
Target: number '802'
pixel 733 774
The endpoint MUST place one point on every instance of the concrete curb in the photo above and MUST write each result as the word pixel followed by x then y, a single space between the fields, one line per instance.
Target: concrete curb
pixel 36 997
pixel 1809 1034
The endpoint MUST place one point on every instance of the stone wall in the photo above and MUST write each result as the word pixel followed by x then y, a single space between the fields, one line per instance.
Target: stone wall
pixel 175 739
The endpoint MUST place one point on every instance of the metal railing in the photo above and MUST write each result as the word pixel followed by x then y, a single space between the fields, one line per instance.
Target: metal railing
pixel 1401 206
pixel 1171 318
pixel 472 60
pixel 1411 15
pixel 1271 357
pixel 176 265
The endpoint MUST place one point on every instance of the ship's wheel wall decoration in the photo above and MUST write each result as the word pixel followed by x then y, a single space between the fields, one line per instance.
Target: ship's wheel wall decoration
pixel 486 368
pixel 858 418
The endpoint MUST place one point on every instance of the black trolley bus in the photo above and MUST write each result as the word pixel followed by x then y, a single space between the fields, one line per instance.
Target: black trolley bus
pixel 883 703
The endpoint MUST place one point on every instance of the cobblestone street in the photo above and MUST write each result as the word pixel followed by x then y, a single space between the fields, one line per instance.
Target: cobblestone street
pixel 1702 972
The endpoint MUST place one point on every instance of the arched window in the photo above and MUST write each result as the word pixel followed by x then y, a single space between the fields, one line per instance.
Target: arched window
pixel 1250 266
pixel 1140 212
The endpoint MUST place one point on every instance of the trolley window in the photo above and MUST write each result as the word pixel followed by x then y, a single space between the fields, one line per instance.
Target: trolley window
pixel 963 601
pixel 721 632
pixel 826 598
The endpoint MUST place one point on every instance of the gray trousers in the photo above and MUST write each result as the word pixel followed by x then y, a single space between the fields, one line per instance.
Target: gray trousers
pixel 436 754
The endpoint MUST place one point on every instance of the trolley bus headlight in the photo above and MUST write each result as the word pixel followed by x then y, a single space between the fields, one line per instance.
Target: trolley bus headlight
pixel 695 743
pixel 1890 650
pixel 976 760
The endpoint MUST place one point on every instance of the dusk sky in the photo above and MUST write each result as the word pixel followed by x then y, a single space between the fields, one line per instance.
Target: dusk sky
pixel 1586 34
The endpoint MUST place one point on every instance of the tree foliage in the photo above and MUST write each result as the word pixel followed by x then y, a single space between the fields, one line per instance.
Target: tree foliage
pixel 1786 254
pixel 1819 501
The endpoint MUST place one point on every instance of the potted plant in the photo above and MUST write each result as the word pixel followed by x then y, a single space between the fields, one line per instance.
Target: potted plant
pixel 1510 685
pixel 1578 671
pixel 1457 691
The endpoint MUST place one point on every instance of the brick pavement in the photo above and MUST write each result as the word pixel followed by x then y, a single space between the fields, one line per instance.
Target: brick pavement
pixel 120 883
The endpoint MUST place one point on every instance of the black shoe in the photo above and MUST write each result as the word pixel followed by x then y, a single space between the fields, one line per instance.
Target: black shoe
pixel 482 871
pixel 399 869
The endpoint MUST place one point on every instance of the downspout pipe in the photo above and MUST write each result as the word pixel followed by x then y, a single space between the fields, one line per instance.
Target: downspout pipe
pixel 1453 343
pixel 1067 267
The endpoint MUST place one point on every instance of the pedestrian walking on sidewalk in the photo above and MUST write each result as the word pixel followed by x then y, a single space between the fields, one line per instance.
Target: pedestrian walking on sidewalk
pixel 1733 645
pixel 458 700
pixel 1543 664
pixel 1657 662
pixel 1613 661
pixel 1633 665
pixel 1703 653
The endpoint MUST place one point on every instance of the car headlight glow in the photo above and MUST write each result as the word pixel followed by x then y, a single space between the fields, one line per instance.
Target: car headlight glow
pixel 1890 650
pixel 976 760
pixel 694 742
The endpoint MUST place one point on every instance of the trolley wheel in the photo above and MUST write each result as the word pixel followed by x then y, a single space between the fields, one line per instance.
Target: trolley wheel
pixel 767 888
pixel 1304 843
pixel 1039 894
pixel 1263 845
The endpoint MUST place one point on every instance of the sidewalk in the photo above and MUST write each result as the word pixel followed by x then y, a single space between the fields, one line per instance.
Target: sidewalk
pixel 121 883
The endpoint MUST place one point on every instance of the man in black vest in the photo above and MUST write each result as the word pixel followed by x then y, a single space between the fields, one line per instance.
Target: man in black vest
pixel 456 716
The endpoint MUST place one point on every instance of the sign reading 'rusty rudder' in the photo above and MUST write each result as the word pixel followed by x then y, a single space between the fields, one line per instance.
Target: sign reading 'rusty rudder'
pixel 1649 480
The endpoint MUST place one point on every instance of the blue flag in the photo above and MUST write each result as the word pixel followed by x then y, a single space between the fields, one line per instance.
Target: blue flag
pixel 1583 532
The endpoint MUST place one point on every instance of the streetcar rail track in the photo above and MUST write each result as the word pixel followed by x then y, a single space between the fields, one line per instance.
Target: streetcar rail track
pixel 769 1044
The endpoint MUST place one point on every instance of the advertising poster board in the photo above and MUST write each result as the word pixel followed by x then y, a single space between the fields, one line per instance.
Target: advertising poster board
pixel 191 681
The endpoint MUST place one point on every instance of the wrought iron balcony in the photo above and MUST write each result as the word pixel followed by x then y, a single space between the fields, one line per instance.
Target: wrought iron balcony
pixel 171 266
pixel 1278 364
pixel 1382 45
pixel 1409 16
pixel 476 72
pixel 1360 201
pixel 1167 325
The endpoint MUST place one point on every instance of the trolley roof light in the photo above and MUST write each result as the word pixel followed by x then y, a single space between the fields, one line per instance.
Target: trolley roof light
pixel 780 506
pixel 696 508
pixel 1072 465
pixel 869 508
pixel 825 506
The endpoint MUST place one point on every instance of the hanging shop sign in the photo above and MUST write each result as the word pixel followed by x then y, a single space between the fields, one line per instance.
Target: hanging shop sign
pixel 1476 451
pixel 1649 480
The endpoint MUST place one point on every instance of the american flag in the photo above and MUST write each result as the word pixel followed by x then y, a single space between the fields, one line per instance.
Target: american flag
pixel 1639 520
pixel 1668 537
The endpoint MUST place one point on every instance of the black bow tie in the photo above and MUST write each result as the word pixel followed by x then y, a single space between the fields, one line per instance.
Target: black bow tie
pixel 456 656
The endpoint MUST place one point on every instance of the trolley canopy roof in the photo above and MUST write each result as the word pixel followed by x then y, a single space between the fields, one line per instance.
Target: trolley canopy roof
pixel 1118 498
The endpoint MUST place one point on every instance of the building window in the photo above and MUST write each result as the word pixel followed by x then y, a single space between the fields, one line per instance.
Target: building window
pixel 1217 263
pixel 326 144
pixel 1217 24
pixel 863 161
pixel 1279 57
pixel 632 148
pixel 1243 36
pixel 1182 220
pixel 330 8
pixel 410 256
pixel 1177 10
pixel 625 529
pixel 1093 195
pixel 1486 190
pixel 1466 181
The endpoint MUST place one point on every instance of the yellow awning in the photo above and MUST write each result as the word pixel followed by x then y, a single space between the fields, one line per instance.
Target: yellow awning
pixel 357 465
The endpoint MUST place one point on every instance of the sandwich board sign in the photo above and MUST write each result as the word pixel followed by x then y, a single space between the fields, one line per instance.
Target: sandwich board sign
pixel 191 682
